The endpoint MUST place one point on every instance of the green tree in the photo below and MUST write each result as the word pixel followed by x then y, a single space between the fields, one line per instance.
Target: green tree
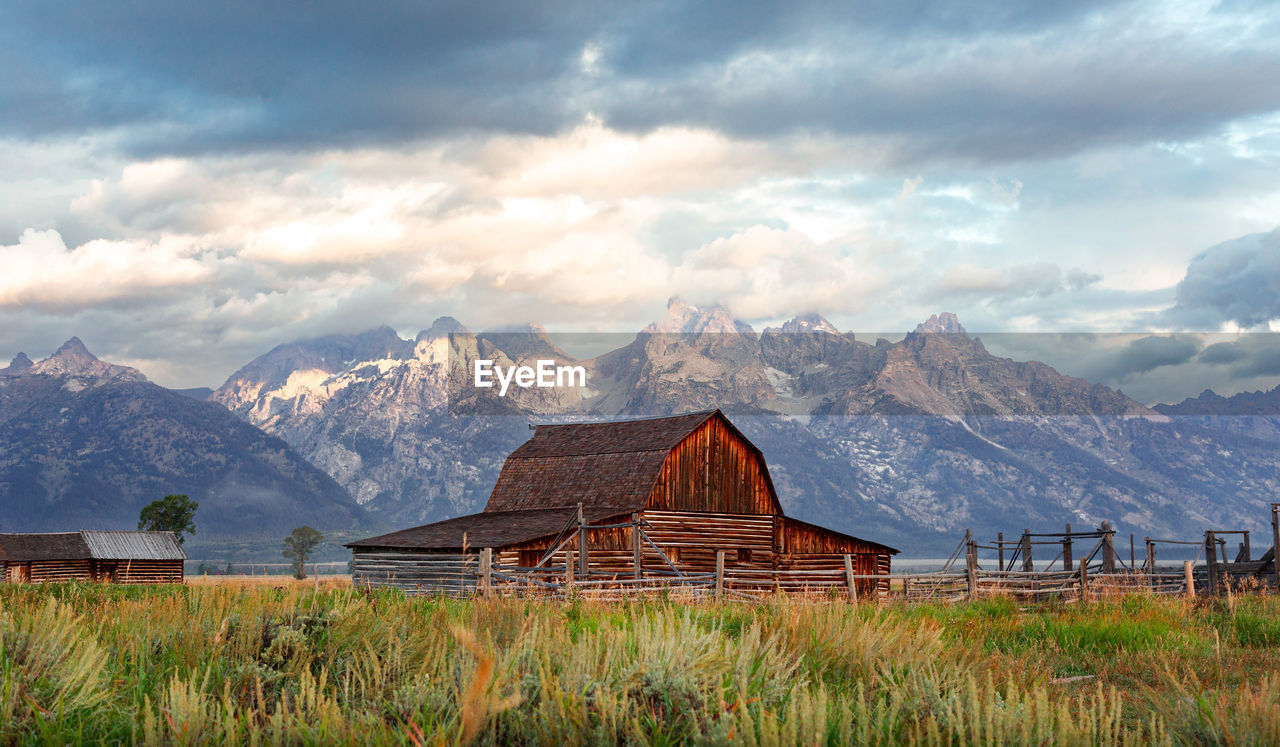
pixel 173 513
pixel 298 547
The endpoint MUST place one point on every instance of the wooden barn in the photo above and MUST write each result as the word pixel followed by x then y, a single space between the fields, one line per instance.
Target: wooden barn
pixel 675 495
pixel 114 557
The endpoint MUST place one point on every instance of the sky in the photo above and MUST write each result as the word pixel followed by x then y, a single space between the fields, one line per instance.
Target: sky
pixel 186 186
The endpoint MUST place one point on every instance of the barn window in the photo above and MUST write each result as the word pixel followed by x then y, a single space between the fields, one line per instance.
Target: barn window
pixel 744 555
pixel 530 558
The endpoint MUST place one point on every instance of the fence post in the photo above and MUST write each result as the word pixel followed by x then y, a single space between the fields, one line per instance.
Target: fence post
pixel 1066 550
pixel 1211 560
pixel 1190 577
pixel 849 580
pixel 583 569
pixel 1084 581
pixel 1027 564
pixel 1108 548
pixel 1000 546
pixel 1248 555
pixel 719 575
pixel 636 556
pixel 568 569
pixel 1151 555
pixel 971 569
pixel 1275 541
pixel 486 571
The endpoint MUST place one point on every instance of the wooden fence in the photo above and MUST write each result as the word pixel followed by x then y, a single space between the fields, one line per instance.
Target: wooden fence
pixel 478 574
pixel 1099 571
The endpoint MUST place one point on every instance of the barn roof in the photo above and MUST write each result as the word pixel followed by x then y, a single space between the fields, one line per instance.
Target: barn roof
pixel 616 437
pixel 133 545
pixel 604 466
pixel 487 529
pixel 43 546
pixel 90 545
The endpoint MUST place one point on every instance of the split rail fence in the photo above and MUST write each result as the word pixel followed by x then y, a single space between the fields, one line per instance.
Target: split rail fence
pixel 1099 571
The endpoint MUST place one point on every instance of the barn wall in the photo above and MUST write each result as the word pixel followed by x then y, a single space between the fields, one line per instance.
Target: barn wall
pixel 142 572
pixel 799 537
pixel 416 572
pixel 60 570
pixel 715 470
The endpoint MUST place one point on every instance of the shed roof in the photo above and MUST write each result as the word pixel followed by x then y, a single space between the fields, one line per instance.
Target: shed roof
pixel 133 545
pixel 486 529
pixel 90 545
pixel 43 546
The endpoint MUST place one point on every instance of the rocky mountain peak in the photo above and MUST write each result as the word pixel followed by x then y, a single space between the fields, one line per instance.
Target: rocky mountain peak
pixel 442 327
pixel 810 323
pixel 19 364
pixel 74 350
pixel 946 322
pixel 685 318
pixel 74 361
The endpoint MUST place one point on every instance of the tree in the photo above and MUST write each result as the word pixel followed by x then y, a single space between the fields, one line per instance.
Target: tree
pixel 173 513
pixel 298 547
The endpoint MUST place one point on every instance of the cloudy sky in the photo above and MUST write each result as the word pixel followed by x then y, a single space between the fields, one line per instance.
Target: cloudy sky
pixel 184 187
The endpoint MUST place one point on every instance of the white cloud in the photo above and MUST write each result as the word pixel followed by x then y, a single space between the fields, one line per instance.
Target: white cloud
pixel 40 271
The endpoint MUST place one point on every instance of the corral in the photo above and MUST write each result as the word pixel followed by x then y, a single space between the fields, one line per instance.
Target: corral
pixel 118 557
pixel 626 506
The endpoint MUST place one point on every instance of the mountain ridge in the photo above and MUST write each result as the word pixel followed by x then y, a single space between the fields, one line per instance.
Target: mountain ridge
pixel 87 443
pixel 927 435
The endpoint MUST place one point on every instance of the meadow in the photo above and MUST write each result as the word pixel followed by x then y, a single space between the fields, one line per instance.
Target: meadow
pixel 253 663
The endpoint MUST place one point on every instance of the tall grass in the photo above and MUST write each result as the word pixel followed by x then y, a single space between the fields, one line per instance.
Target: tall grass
pixel 209 664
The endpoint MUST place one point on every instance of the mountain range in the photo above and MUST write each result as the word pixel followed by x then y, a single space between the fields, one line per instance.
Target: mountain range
pixel 907 442
pixel 85 444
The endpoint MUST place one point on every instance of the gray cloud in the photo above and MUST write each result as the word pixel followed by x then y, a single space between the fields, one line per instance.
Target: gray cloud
pixel 987 81
pixel 1222 352
pixel 1235 281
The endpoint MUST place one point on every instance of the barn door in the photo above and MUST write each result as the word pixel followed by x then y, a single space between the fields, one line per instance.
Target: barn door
pixel 22 573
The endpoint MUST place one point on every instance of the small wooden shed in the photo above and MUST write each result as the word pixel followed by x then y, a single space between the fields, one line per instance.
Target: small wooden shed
pixel 123 557
pixel 694 483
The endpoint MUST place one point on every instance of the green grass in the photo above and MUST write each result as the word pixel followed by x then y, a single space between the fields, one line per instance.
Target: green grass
pixel 220 664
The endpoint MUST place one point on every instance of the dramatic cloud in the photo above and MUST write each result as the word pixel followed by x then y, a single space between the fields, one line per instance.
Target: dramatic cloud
pixel 186 186
pixel 1235 281
pixel 913 81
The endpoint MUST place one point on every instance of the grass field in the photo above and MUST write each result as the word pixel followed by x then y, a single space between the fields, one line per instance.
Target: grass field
pixel 235 663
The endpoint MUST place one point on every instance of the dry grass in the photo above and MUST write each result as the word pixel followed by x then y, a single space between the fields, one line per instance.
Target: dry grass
pixel 234 663
pixel 282 581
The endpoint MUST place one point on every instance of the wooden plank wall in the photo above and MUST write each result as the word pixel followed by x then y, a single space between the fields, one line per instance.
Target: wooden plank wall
pixel 799 537
pixel 713 470
pixel 416 572
pixel 60 570
pixel 145 572
pixel 126 572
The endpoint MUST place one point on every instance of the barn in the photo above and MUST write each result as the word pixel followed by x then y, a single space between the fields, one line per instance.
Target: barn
pixel 681 495
pixel 117 557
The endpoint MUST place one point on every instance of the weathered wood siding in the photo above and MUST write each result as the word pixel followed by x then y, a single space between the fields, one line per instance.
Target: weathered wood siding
pixel 713 470
pixel 40 571
pixel 141 572
pixel 801 537
pixel 121 572
pixel 416 572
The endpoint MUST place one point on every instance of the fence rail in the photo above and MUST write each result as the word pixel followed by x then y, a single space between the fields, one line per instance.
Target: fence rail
pixel 481 576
